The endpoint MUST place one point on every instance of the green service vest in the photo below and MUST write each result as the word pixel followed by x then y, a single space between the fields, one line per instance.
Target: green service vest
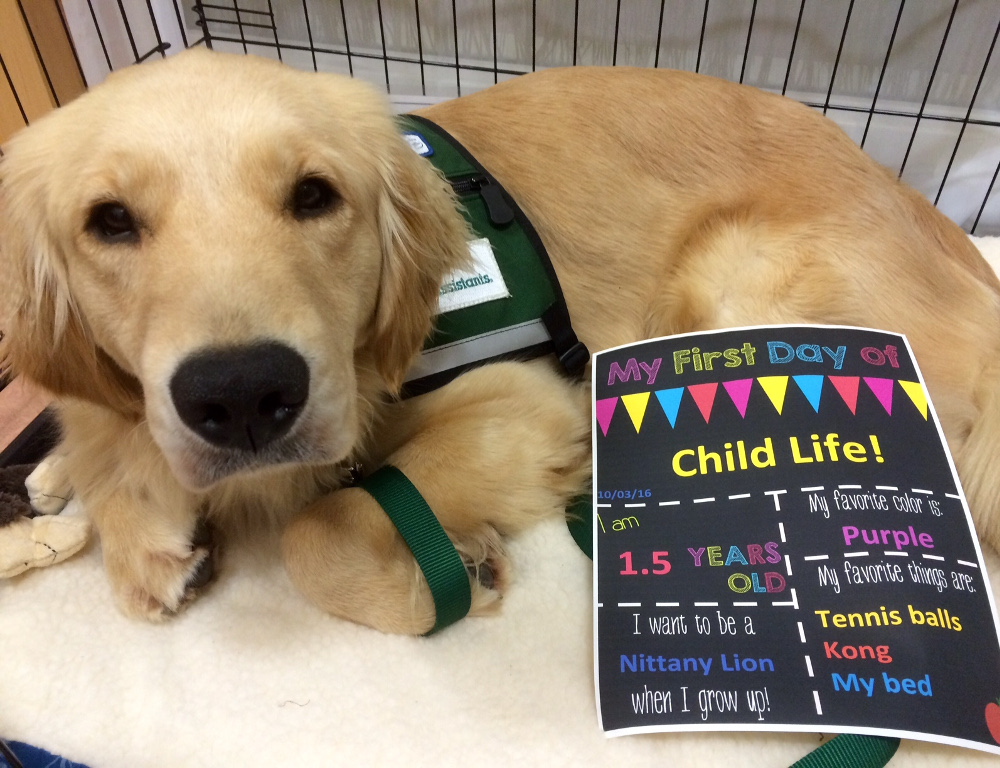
pixel 529 322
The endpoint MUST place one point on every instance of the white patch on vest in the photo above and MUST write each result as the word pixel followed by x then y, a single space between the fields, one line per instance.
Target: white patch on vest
pixel 418 144
pixel 467 288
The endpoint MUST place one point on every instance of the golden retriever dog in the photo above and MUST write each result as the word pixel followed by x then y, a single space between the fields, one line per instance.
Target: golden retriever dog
pixel 224 267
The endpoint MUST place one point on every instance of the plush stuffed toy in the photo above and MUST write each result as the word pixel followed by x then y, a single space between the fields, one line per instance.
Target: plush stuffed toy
pixel 33 536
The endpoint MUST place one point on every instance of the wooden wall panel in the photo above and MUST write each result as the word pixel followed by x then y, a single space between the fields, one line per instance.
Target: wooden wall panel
pixel 10 113
pixel 24 68
pixel 39 68
pixel 39 72
pixel 46 24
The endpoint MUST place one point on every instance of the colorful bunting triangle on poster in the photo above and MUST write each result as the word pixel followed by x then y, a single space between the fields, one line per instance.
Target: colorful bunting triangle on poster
pixel 670 402
pixel 774 387
pixel 636 407
pixel 739 392
pixel 812 387
pixel 882 389
pixel 704 396
pixel 847 386
pixel 916 393
pixel 604 409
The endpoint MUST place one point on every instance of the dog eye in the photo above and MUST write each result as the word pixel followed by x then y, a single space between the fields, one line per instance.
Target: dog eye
pixel 312 197
pixel 112 223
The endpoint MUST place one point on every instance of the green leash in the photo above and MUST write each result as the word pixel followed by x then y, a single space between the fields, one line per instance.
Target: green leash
pixel 435 554
pixel 849 750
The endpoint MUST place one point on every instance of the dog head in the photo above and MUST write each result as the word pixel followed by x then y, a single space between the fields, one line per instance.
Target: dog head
pixel 245 255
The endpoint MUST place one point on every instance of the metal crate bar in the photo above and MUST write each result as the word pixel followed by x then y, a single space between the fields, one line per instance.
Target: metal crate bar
pixel 836 61
pixel 274 29
pixel 795 39
pixel 746 49
pixel 420 49
pixel 385 53
pixel 309 34
pixel 930 84
pixel 100 35
pixel 576 29
pixel 240 24
pixel 701 37
pixel 534 33
pixel 986 199
pixel 234 9
pixel 347 40
pixel 618 16
pixel 180 24
pixel 493 4
pixel 881 75
pixel 966 121
pixel 659 34
pixel 458 69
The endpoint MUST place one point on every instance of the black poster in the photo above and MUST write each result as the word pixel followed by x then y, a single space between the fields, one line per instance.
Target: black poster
pixel 782 543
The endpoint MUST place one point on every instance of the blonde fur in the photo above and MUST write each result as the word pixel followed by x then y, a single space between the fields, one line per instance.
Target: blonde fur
pixel 707 205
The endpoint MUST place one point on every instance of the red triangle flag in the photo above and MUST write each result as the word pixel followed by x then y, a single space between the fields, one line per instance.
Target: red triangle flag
pixel 847 386
pixel 704 396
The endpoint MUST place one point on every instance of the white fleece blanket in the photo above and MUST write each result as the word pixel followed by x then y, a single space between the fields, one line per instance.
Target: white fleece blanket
pixel 251 675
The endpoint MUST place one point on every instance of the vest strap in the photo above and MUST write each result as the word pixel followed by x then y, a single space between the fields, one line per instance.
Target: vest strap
pixel 435 554
pixel 572 353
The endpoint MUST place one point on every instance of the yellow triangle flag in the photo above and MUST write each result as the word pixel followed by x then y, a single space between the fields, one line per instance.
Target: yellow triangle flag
pixel 774 387
pixel 916 393
pixel 636 407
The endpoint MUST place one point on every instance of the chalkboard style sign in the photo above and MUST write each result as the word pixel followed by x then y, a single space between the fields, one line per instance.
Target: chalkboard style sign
pixel 782 542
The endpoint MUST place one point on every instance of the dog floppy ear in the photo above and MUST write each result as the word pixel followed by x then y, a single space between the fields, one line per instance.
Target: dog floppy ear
pixel 44 336
pixel 422 237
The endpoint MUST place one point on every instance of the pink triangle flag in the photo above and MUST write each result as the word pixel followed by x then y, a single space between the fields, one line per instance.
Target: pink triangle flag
pixel 847 386
pixel 739 392
pixel 604 409
pixel 882 389
pixel 704 396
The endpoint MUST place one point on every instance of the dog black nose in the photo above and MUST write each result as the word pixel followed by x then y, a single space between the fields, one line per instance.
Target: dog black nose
pixel 241 397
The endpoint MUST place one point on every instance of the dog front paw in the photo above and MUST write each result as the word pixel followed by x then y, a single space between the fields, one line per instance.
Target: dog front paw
pixel 155 585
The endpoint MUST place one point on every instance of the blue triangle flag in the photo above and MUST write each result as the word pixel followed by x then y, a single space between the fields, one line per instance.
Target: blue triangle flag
pixel 811 387
pixel 670 402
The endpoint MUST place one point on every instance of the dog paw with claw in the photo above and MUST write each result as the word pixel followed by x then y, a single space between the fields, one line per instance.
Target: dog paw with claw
pixel 155 585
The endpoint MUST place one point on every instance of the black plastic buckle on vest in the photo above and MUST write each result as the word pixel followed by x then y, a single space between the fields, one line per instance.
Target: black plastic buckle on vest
pixel 572 353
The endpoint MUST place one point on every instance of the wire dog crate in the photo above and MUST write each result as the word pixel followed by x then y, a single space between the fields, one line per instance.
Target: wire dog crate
pixel 915 84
